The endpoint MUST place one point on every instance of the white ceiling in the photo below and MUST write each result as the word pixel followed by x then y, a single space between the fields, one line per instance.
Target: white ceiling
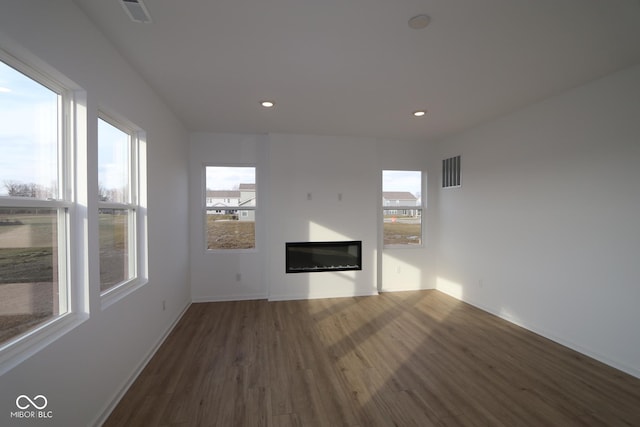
pixel 354 67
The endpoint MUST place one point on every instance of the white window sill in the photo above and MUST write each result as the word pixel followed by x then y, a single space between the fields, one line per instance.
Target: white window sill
pixel 116 293
pixel 420 246
pixel 16 351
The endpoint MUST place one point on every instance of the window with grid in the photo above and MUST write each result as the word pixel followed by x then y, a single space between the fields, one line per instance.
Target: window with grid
pixel 36 200
pixel 230 207
pixel 402 208
pixel 119 203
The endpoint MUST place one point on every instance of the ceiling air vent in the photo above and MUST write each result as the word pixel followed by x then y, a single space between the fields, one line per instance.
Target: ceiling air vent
pixel 136 10
pixel 451 169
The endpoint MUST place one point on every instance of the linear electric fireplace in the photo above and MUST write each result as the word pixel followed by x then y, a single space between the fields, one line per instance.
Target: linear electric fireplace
pixel 311 257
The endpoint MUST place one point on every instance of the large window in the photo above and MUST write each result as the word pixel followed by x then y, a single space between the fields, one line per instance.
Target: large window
pixel 119 203
pixel 36 199
pixel 230 207
pixel 402 208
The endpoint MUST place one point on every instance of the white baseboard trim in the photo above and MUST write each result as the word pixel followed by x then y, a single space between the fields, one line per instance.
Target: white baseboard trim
pixel 291 297
pixel 406 289
pixel 564 342
pixel 286 297
pixel 224 298
pixel 136 372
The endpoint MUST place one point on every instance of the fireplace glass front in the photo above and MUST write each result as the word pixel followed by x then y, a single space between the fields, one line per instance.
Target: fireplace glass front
pixel 311 257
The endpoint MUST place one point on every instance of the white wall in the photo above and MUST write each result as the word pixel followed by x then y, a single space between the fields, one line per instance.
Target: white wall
pixel 545 230
pixel 290 167
pixel 214 275
pixel 323 167
pixel 83 372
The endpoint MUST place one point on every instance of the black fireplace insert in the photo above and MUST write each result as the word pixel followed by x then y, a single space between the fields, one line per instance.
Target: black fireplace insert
pixel 311 257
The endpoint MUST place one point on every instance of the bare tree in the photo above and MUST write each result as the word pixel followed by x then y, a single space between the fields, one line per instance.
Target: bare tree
pixel 21 189
pixel 111 194
pixel 103 193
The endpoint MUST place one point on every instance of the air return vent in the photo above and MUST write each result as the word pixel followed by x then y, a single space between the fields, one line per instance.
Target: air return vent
pixel 136 10
pixel 451 169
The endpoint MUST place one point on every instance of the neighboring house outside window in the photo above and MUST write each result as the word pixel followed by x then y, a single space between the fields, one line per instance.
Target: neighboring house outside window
pixel 400 198
pixel 247 200
pixel 225 201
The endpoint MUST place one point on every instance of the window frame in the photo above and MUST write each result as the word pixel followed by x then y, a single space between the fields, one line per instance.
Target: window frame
pixel 72 306
pixel 135 204
pixel 237 209
pixel 398 207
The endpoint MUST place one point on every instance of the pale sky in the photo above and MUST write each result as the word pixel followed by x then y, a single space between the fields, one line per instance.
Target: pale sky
pixel 113 156
pixel 28 130
pixel 393 180
pixel 228 178
pixel 28 136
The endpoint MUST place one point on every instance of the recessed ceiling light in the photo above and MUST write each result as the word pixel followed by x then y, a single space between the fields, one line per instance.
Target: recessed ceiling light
pixel 267 104
pixel 419 113
pixel 419 22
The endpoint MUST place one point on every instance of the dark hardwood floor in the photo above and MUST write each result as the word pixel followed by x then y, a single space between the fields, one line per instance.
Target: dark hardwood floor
pixel 399 359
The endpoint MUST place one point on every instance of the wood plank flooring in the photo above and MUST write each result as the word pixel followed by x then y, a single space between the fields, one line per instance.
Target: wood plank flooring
pixel 398 359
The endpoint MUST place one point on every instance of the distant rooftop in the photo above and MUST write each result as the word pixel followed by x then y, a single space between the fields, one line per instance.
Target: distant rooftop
pixel 398 195
pixel 223 194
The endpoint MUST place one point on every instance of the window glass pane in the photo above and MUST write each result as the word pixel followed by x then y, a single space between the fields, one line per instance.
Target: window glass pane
pixel 235 230
pixel 402 227
pixel 228 191
pixel 396 185
pixel 402 212
pixel 29 284
pixel 113 163
pixel 115 266
pixel 28 137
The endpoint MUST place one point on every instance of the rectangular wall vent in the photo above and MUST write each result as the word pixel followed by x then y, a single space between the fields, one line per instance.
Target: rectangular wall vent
pixel 451 172
pixel 136 10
